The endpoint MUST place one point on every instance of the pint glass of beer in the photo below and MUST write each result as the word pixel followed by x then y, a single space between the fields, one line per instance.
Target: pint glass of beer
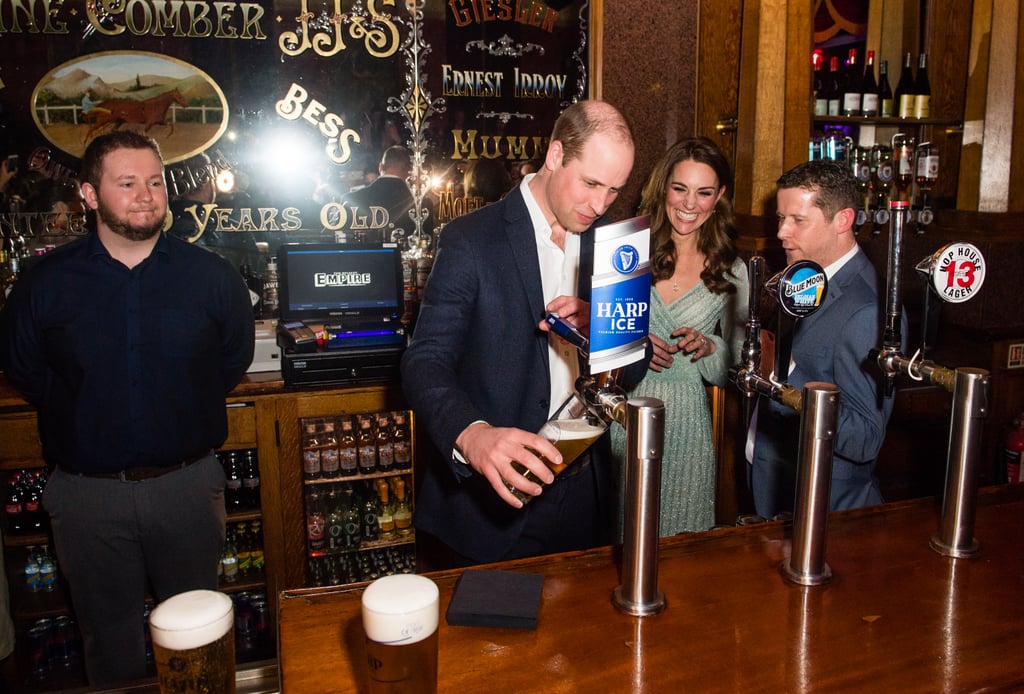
pixel 194 642
pixel 572 428
pixel 400 615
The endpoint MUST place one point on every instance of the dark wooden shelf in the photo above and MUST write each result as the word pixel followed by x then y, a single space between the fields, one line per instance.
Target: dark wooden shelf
pixel 878 120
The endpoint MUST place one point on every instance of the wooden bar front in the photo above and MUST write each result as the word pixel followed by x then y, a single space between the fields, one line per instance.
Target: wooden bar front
pixel 897 616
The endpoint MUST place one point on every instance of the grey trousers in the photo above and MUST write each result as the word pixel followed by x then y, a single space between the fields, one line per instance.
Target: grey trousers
pixel 111 536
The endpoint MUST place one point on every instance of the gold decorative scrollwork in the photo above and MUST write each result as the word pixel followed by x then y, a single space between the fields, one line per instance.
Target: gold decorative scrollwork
pixel 374 29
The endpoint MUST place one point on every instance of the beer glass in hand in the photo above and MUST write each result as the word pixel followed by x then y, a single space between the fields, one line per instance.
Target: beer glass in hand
pixel 572 429
pixel 194 642
pixel 400 616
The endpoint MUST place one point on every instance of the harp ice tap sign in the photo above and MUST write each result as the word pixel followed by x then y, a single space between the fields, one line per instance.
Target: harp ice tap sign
pixel 620 299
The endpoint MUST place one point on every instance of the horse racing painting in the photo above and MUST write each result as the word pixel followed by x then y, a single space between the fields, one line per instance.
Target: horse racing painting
pixel 175 103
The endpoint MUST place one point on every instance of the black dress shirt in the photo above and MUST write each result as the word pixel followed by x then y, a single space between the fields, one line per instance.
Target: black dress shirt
pixel 128 367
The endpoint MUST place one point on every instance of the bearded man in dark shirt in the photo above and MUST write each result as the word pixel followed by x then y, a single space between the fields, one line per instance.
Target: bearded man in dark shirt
pixel 127 341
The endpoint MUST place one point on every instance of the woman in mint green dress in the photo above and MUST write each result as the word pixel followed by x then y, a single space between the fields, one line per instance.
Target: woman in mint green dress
pixel 698 312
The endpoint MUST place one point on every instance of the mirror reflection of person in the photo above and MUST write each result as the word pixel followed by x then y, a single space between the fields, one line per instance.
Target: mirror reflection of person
pixel 816 209
pixel 192 218
pixel 485 181
pixel 483 376
pixel 59 210
pixel 127 341
pixel 380 211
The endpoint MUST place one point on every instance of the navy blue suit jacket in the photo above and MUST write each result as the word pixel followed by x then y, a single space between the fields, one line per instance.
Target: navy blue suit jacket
pixel 477 354
pixel 831 346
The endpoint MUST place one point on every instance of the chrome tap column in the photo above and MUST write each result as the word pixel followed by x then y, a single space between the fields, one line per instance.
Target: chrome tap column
pixel 800 290
pixel 818 422
pixel 956 272
pixel 645 438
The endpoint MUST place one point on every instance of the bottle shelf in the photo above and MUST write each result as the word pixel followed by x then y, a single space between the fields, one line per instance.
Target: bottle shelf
pixel 355 478
pixel 409 539
pixel 19 540
pixel 878 120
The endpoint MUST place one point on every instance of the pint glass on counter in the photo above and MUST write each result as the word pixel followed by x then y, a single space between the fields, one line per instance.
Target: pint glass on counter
pixel 193 643
pixel 400 615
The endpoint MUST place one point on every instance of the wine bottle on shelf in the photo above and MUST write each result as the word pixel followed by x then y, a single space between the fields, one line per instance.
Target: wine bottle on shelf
pixel 869 89
pixel 851 86
pixel 922 89
pixel 834 87
pixel 820 85
pixel 885 100
pixel 903 98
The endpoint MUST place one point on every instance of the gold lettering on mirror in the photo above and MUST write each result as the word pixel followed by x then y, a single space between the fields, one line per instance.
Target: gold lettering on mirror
pixel 194 19
pixel 325 33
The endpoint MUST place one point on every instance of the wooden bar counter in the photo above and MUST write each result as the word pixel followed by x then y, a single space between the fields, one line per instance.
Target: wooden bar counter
pixel 896 617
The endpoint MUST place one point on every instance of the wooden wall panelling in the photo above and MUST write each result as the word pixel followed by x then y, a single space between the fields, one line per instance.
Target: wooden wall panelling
pixel 718 71
pixel 993 88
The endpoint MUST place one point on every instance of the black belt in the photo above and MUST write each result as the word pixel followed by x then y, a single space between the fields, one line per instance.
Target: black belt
pixel 578 466
pixel 137 474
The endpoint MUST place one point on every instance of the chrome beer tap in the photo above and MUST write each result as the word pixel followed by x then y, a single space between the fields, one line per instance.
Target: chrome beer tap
pixel 644 422
pixel 957 272
pixel 800 290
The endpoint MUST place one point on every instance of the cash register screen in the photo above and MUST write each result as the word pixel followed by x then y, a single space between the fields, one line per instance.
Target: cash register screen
pixel 344 282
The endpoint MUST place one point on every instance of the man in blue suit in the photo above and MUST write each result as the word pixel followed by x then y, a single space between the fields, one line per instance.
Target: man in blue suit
pixel 816 208
pixel 483 374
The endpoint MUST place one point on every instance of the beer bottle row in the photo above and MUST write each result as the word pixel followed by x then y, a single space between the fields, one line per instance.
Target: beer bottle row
pixel 345 516
pixel 339 569
pixel 242 558
pixel 350 445
pixel 848 90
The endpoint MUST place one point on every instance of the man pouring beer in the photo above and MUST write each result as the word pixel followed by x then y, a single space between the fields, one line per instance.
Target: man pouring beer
pixel 482 375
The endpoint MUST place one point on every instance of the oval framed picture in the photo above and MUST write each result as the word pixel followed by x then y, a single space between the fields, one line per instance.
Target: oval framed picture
pixel 175 103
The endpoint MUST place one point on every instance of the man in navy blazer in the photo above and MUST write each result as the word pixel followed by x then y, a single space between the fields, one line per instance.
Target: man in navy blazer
pixel 816 211
pixel 380 212
pixel 483 374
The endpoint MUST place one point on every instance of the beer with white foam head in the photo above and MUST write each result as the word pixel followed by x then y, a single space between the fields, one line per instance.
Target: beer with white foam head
pixel 400 616
pixel 194 644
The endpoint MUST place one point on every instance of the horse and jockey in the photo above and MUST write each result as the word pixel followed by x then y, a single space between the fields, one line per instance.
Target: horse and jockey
pixel 114 113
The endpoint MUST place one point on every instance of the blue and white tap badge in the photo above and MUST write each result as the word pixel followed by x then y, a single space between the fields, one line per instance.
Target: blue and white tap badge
pixel 802 288
pixel 620 301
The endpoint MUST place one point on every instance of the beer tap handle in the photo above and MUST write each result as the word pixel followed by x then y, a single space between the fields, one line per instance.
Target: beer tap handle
pixel 756 269
pixel 752 340
pixel 783 348
pixel 892 339
pixel 568 333
pixel 930 321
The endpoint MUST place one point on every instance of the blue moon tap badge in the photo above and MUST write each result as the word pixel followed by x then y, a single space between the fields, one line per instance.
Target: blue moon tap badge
pixel 802 288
